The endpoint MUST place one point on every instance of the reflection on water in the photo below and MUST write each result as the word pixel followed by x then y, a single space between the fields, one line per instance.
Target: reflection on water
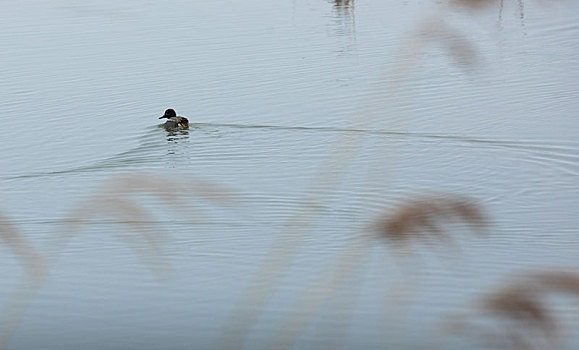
pixel 344 8
pixel 521 13
pixel 177 136
pixel 344 24
pixel 176 139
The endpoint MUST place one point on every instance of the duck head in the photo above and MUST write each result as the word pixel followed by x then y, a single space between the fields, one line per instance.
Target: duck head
pixel 170 113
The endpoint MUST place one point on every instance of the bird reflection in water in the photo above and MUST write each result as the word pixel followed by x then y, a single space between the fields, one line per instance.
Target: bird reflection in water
pixel 177 136
pixel 174 137
pixel 343 2
pixel 343 25
pixel 344 8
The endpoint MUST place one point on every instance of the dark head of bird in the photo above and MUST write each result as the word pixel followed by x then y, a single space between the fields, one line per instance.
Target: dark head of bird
pixel 170 113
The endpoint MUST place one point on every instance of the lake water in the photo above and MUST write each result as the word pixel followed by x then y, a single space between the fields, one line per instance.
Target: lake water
pixel 310 120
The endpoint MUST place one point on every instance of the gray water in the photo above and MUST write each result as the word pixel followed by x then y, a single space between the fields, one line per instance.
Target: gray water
pixel 309 120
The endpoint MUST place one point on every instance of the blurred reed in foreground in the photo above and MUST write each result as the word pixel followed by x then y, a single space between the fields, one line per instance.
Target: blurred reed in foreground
pixel 520 306
pixel 117 200
pixel 327 179
pixel 429 215
pixel 24 251
pixel 519 314
pixel 114 200
pixel 425 217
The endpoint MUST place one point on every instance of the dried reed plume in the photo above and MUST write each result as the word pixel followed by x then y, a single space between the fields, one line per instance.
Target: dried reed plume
pixel 112 201
pixel 521 312
pixel 457 46
pixel 35 267
pixel 25 252
pixel 115 201
pixel 423 218
pixel 329 175
pixel 336 275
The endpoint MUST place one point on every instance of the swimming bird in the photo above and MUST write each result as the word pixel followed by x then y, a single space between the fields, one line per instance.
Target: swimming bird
pixel 174 121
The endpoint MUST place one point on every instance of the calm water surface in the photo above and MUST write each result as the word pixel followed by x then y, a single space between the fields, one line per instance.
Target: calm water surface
pixel 487 109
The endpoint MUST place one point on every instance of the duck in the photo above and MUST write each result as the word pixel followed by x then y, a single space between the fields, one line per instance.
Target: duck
pixel 174 121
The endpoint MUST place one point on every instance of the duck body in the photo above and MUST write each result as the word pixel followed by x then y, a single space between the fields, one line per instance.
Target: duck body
pixel 174 121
